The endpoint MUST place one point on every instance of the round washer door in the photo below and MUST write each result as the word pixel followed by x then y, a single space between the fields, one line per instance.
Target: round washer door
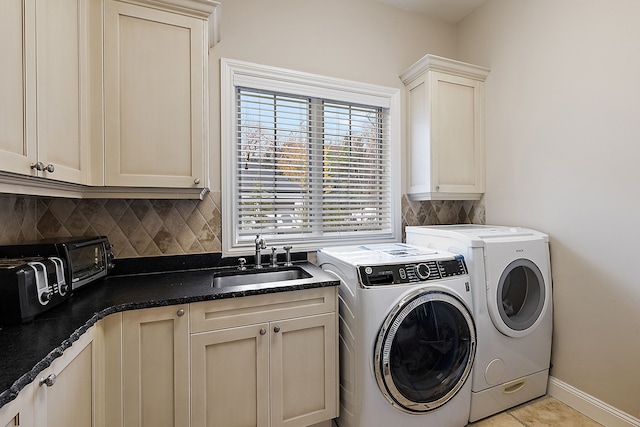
pixel 424 351
pixel 517 303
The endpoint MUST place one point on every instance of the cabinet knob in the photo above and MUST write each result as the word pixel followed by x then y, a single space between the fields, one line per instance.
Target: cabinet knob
pixel 263 331
pixel 48 381
pixel 196 181
pixel 276 329
pixel 41 167
pixel 437 188
pixel 180 313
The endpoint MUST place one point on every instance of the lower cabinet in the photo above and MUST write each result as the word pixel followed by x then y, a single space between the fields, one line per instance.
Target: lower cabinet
pixel 281 371
pixel 63 395
pixel 265 361
pixel 155 367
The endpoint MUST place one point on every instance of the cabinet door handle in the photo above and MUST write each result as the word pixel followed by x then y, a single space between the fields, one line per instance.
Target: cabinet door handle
pixel 196 181
pixel 48 381
pixel 180 313
pixel 263 331
pixel 276 329
pixel 50 168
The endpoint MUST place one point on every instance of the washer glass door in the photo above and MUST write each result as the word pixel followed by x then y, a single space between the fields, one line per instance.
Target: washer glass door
pixel 424 351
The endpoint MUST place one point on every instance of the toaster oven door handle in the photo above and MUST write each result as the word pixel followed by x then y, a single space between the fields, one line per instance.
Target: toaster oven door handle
pixel 91 242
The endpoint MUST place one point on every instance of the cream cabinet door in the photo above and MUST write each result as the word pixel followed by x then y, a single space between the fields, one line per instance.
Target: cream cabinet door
pixel 18 412
pixel 230 377
pixel 457 132
pixel 303 371
pixel 17 86
pixel 155 97
pixel 62 89
pixel 64 392
pixel 155 366
pixel 44 85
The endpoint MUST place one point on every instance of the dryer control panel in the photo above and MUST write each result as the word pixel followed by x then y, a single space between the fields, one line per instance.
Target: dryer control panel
pixel 398 274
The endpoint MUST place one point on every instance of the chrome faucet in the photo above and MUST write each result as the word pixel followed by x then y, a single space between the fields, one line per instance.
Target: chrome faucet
pixel 260 244
pixel 288 262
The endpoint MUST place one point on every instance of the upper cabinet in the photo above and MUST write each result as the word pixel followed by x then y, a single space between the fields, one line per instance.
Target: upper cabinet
pixel 105 98
pixel 445 112
pixel 44 82
pixel 156 121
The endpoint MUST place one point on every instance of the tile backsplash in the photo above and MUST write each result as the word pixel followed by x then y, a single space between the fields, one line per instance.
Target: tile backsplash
pixel 439 212
pixel 140 227
pixel 135 227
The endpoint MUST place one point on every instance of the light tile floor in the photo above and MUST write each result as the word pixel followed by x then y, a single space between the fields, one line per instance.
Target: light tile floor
pixel 543 412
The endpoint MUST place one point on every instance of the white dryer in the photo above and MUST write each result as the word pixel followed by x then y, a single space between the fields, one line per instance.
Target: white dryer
pixel 510 275
pixel 407 336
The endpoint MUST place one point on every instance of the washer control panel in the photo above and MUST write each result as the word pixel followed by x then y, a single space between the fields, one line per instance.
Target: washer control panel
pixel 398 274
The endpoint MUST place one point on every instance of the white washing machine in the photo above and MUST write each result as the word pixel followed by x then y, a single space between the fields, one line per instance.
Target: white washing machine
pixel 407 336
pixel 512 307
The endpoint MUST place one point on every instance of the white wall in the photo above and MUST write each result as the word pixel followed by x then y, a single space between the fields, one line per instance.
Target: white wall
pixel 361 40
pixel 563 156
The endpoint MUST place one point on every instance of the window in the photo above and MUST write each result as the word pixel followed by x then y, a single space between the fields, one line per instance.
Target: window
pixel 307 160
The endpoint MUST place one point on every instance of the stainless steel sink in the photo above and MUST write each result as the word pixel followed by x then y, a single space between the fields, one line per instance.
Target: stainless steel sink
pixel 254 277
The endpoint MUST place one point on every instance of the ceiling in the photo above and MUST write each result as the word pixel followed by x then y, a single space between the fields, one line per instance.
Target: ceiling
pixel 452 11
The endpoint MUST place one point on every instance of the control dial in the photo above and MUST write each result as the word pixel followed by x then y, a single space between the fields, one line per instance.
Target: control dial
pixel 45 297
pixel 422 271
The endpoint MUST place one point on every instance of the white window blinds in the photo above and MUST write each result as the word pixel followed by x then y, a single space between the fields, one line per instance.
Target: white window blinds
pixel 310 168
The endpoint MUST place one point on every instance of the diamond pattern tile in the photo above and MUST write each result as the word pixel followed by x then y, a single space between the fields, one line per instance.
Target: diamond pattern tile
pixel 17 218
pixel 438 212
pixel 135 227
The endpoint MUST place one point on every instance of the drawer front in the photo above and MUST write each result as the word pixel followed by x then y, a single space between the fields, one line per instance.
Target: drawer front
pixel 232 312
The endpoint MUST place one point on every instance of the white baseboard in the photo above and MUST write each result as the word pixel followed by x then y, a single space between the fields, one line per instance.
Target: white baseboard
pixel 593 408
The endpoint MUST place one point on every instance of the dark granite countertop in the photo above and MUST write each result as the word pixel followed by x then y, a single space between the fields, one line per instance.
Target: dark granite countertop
pixel 28 349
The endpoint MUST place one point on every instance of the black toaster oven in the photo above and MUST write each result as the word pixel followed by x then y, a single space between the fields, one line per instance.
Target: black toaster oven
pixel 86 259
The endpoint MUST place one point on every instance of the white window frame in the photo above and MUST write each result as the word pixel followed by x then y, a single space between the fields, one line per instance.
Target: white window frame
pixel 235 73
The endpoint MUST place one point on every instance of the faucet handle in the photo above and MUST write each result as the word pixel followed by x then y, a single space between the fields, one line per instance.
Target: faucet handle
pixel 288 262
pixel 241 263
